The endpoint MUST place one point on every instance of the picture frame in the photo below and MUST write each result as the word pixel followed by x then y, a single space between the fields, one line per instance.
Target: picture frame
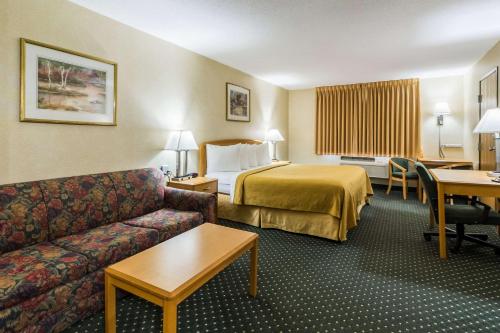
pixel 237 103
pixel 62 86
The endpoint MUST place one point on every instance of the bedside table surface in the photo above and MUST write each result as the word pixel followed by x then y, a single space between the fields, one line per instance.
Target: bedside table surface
pixel 195 181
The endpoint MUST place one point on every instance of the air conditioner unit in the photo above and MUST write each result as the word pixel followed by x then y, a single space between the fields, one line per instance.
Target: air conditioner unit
pixel 376 167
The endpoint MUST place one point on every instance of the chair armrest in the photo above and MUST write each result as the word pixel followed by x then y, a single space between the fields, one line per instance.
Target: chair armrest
pixel 397 166
pixel 204 203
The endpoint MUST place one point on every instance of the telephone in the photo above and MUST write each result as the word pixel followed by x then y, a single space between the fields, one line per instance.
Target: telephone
pixel 185 177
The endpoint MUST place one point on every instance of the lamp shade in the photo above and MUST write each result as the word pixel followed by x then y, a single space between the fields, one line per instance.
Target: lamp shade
pixel 441 109
pixel 489 123
pixel 274 135
pixel 181 140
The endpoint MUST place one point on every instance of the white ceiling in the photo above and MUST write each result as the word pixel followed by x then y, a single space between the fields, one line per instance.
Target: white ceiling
pixel 306 43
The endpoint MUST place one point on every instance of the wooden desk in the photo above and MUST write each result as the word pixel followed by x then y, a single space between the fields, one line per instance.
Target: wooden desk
pixel 460 182
pixel 169 272
pixel 441 162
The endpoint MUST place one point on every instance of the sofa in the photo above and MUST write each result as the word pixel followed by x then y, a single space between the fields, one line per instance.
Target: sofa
pixel 58 235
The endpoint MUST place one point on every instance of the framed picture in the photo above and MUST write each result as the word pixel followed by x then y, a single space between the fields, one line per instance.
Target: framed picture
pixel 66 87
pixel 237 103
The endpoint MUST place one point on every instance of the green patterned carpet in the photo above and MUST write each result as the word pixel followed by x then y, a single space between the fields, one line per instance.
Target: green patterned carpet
pixel 385 278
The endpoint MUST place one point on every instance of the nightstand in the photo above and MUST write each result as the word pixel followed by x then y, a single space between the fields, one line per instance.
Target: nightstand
pixel 198 184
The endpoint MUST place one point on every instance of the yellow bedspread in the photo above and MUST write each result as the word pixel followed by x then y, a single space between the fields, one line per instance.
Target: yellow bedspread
pixel 330 189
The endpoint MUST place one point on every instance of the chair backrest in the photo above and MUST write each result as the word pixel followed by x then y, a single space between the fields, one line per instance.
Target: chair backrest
pixel 429 184
pixel 405 163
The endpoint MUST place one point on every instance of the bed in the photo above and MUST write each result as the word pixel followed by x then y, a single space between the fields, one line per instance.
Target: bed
pixel 317 200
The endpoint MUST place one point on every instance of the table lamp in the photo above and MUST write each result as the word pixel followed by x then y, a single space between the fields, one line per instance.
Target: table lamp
pixel 179 141
pixel 440 110
pixel 273 135
pixel 490 123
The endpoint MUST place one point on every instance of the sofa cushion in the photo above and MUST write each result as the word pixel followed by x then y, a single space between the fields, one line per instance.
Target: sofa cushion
pixel 110 243
pixel 32 315
pixel 168 222
pixel 139 192
pixel 33 270
pixel 76 204
pixel 23 216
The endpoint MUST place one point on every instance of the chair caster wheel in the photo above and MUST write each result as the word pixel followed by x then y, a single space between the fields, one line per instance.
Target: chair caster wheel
pixel 427 237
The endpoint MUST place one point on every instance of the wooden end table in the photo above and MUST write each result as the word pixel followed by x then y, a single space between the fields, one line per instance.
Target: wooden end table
pixel 199 184
pixel 169 272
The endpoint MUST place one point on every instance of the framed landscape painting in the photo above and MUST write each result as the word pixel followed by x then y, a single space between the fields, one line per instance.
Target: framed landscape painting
pixel 237 103
pixel 68 87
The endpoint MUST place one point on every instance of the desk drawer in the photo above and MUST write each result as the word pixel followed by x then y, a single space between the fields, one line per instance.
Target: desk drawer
pixel 207 187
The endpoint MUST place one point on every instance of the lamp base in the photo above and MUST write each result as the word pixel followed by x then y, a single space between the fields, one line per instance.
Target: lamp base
pixel 493 174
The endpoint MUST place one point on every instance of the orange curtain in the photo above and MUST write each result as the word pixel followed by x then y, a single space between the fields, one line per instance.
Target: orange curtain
pixel 369 119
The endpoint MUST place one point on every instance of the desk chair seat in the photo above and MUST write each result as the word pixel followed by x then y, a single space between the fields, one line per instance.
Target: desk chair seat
pixel 409 174
pixel 470 214
pixel 463 211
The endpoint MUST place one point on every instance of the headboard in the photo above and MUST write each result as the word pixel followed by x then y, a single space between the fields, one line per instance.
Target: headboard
pixel 202 160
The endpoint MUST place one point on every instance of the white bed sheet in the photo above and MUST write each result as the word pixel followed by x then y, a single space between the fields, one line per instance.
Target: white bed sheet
pixel 224 177
pixel 227 180
pixel 224 188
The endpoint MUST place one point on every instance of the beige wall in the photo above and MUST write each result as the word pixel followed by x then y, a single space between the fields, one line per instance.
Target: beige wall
pixel 161 87
pixel 471 87
pixel 446 89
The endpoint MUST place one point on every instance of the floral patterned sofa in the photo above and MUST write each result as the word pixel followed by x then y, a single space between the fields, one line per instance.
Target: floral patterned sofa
pixel 57 236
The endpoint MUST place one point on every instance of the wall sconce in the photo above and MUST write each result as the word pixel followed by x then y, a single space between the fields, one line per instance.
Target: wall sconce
pixel 440 110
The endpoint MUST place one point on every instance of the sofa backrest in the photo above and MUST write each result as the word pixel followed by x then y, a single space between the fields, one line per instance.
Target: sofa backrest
pixel 76 204
pixel 139 192
pixel 23 216
pixel 34 212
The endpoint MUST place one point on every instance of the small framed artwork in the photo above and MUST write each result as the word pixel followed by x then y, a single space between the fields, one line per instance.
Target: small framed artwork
pixel 66 87
pixel 237 103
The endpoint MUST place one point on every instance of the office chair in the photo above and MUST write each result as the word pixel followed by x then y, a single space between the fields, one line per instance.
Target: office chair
pixel 463 211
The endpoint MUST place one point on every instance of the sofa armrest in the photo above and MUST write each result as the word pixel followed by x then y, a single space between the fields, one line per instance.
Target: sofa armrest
pixel 205 203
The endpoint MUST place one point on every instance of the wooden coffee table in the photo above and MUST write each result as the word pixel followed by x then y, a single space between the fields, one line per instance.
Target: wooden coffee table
pixel 169 272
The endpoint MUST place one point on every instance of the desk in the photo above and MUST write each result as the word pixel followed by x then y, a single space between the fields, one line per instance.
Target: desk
pixel 460 182
pixel 442 162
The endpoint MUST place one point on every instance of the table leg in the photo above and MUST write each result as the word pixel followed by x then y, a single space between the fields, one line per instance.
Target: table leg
pixel 110 304
pixel 442 223
pixel 169 317
pixel 254 253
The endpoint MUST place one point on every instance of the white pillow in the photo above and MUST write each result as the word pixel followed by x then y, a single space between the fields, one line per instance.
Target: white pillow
pixel 244 162
pixel 252 156
pixel 263 157
pixel 223 158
